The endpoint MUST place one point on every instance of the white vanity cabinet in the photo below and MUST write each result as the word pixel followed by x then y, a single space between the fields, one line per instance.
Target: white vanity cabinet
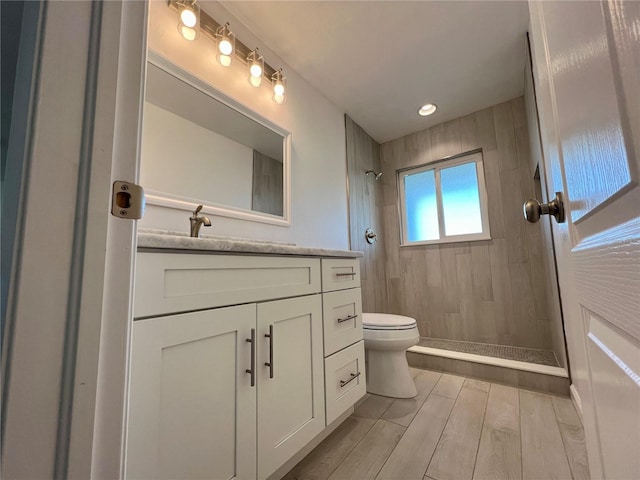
pixel 193 410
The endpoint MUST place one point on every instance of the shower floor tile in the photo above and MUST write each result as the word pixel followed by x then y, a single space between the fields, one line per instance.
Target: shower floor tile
pixel 521 354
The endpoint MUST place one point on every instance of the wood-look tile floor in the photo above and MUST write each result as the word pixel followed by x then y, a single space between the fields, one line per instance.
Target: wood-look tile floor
pixel 457 428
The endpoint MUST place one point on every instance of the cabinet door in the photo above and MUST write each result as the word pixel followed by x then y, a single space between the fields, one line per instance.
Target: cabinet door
pixel 192 408
pixel 291 402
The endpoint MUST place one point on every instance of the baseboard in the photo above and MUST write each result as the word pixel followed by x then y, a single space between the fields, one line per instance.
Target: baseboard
pixel 577 401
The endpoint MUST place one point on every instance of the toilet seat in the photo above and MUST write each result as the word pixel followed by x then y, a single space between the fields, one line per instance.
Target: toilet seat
pixel 384 321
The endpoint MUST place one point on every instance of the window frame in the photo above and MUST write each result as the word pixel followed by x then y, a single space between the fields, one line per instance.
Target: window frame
pixel 474 156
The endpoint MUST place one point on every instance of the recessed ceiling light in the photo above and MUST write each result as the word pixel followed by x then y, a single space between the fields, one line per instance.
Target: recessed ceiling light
pixel 427 109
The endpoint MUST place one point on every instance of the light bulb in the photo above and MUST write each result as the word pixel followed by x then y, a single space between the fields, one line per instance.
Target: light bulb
pixel 255 74
pixel 225 47
pixel 188 17
pixel 188 33
pixel 278 81
pixel 256 70
pixel 225 60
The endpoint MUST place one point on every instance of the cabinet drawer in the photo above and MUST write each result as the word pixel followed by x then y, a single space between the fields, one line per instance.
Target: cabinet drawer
pixel 344 378
pixel 176 282
pixel 340 273
pixel 342 317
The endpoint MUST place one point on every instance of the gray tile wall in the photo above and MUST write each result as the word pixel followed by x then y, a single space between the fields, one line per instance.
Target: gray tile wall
pixel 365 211
pixel 488 291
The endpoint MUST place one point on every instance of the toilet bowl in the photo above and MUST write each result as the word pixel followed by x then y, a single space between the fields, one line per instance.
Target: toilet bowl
pixel 386 339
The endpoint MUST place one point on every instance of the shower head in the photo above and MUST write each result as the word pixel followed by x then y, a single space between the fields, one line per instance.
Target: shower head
pixel 376 175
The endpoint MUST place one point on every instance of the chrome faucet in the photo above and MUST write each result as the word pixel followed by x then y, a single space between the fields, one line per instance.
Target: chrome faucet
pixel 197 221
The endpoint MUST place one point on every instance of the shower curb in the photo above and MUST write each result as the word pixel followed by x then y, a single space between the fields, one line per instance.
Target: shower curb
pixel 527 375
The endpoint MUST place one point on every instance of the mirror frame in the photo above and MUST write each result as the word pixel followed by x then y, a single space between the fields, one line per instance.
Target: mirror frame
pixel 179 202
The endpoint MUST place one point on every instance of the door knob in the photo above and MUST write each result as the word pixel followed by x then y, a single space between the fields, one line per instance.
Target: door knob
pixel 532 209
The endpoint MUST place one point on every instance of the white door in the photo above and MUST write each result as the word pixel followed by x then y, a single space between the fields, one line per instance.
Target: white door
pixel 587 73
pixel 192 406
pixel 65 343
pixel 291 387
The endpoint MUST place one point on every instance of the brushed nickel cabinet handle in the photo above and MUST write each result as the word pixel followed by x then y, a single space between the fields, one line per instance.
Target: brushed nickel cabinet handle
pixel 270 362
pixel 346 382
pixel 347 318
pixel 352 274
pixel 252 370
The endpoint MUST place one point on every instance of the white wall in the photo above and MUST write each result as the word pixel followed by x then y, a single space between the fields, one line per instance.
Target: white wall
pixel 318 163
pixel 183 158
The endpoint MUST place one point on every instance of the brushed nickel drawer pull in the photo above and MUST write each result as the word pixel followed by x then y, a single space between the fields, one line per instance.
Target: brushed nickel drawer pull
pixel 353 377
pixel 347 318
pixel 270 362
pixel 352 274
pixel 252 370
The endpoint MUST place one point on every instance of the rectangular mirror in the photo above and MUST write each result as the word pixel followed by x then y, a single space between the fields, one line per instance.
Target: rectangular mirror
pixel 201 147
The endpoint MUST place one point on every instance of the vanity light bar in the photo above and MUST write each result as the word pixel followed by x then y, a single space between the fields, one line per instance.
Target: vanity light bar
pixel 209 26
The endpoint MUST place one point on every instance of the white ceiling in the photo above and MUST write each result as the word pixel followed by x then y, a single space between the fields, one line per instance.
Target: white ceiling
pixel 381 60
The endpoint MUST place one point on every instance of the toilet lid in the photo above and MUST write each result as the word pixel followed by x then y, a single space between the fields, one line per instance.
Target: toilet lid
pixel 386 321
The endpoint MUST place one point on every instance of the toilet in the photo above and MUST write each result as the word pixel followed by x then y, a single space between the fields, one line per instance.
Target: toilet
pixel 386 340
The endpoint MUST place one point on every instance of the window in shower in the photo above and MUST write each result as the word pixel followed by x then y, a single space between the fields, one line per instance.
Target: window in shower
pixel 444 201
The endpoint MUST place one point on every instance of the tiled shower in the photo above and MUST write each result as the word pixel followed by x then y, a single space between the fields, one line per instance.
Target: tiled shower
pixel 478 295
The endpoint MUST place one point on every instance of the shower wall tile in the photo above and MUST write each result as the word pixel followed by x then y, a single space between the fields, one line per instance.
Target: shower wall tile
pixel 452 138
pixel 462 247
pixel 465 295
pixel 481 271
pixel 438 142
pixel 501 285
pixel 469 138
pixel 537 262
pixel 391 238
pixel 523 302
pixel 486 320
pixel 392 157
pixel 494 193
pixel 490 291
pixel 365 200
pixel 394 294
pixel 485 124
pixel 514 224
pixel 453 325
pixel 433 267
pixel 449 272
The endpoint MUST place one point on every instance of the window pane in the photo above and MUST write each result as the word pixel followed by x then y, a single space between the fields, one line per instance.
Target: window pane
pixel 421 206
pixel 461 199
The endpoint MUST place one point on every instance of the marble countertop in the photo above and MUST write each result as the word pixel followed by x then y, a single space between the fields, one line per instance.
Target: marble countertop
pixel 168 240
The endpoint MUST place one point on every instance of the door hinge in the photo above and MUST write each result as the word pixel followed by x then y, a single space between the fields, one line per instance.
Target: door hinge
pixel 127 200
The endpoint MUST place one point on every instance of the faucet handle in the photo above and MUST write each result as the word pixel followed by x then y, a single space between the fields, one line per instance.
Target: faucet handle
pixel 197 210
